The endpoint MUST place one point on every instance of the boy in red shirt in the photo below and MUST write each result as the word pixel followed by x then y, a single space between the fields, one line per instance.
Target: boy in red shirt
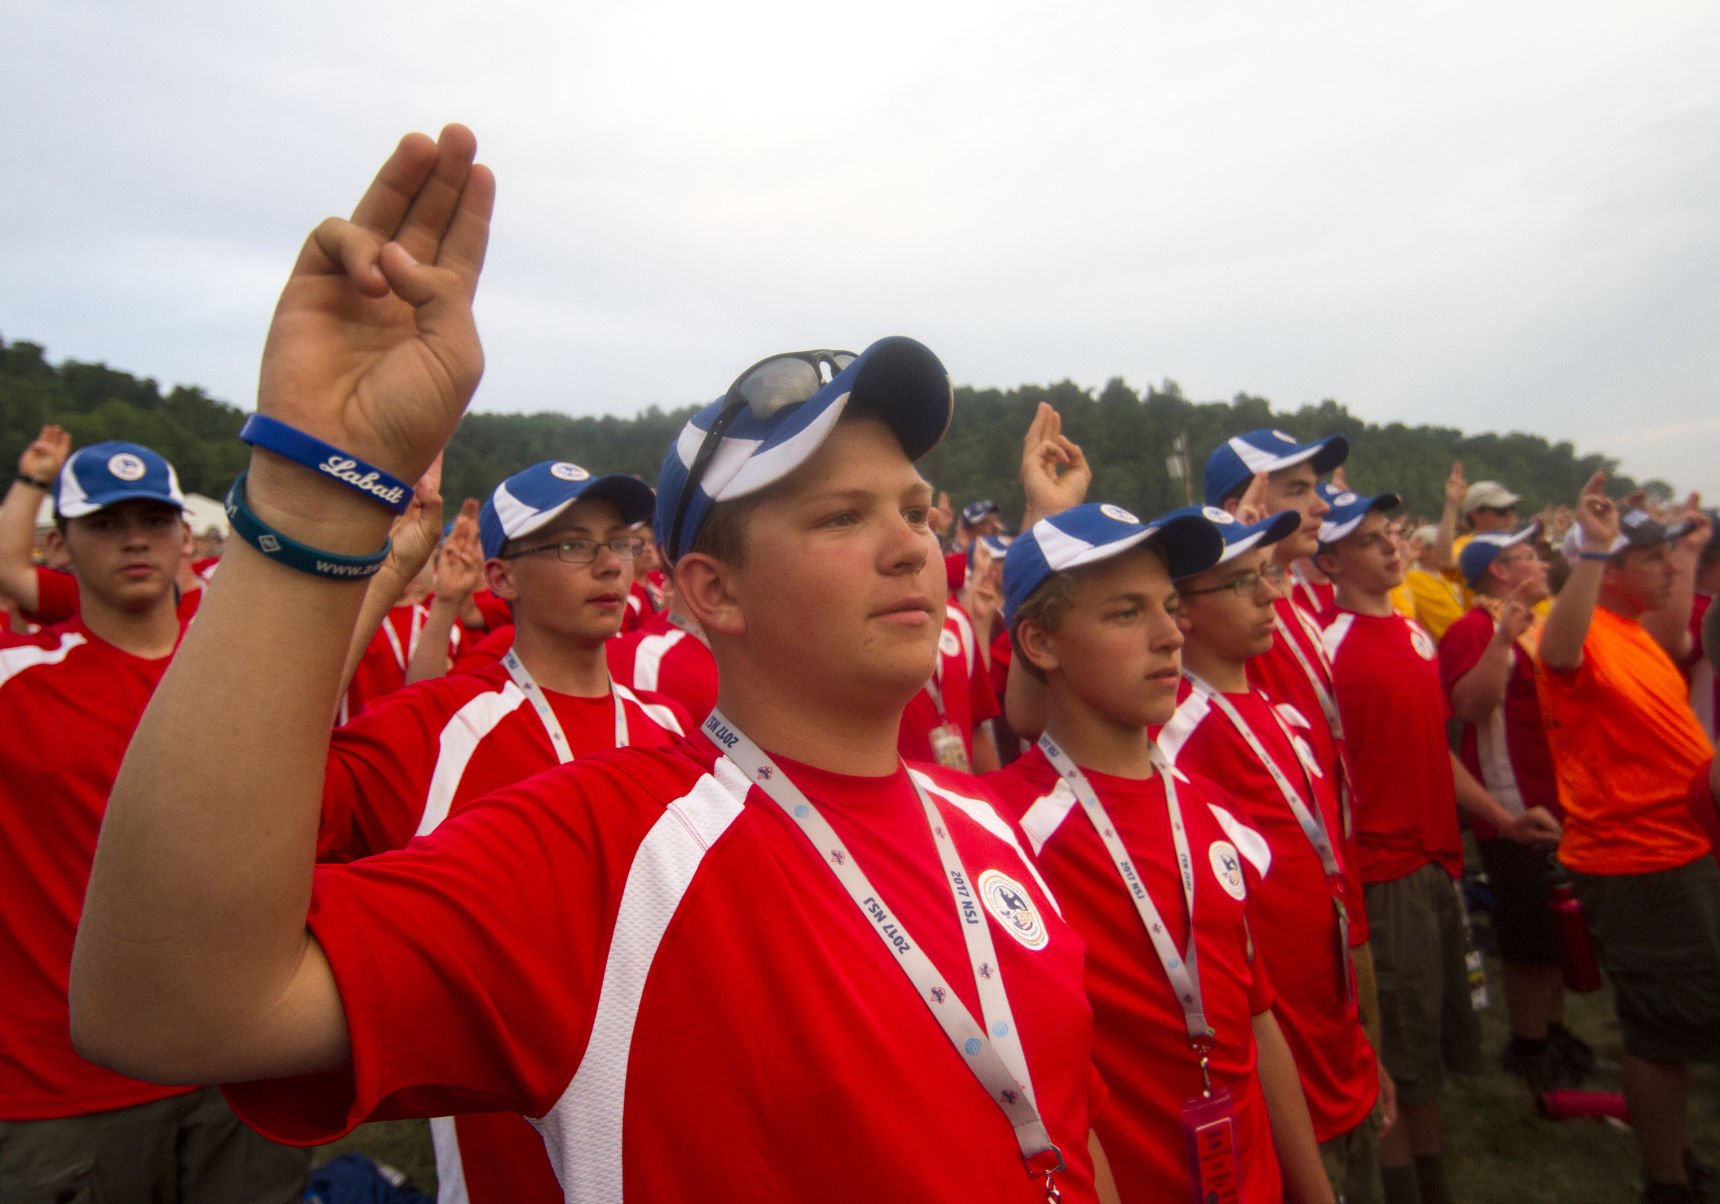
pixel 1185 1032
pixel 1487 665
pixel 1252 748
pixel 70 698
pixel 709 970
pixel 1408 786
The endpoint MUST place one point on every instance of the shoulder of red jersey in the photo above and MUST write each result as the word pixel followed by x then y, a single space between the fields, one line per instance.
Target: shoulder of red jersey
pixel 37 649
pixel 1191 712
pixel 662 710
pixel 974 799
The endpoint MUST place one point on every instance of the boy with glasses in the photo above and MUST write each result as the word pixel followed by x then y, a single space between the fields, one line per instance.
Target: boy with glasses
pixel 1408 786
pixel 1487 666
pixel 1149 868
pixel 558 546
pixel 709 970
pixel 1226 732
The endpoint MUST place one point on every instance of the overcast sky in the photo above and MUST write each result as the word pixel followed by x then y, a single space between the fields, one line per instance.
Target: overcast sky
pixel 1489 216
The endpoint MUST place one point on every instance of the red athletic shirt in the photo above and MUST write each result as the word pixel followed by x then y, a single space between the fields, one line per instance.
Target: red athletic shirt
pixel 1704 685
pixel 57 599
pixel 960 692
pixel 495 612
pixel 426 751
pixel 1301 685
pixel 1507 752
pixel 665 659
pixel 1140 1040
pixel 69 702
pixel 1386 677
pixel 645 952
pixel 382 668
pixel 1295 924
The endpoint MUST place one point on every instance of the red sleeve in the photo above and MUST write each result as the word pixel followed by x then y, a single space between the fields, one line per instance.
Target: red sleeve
pixel 469 965
pixel 1260 992
pixel 56 597
pixel 982 697
pixel 1461 649
pixel 378 775
pixel 496 612
pixel 485 652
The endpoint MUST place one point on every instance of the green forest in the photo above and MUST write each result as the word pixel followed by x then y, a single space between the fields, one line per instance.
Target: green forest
pixel 1129 436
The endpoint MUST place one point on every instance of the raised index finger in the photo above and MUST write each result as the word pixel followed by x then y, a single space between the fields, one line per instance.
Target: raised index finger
pixel 385 203
pixel 437 201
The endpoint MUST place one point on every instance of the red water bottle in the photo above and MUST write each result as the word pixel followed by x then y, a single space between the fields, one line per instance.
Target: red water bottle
pixel 1576 947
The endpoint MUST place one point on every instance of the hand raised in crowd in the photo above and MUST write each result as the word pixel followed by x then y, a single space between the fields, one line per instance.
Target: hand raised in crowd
pixel 1512 614
pixel 1597 515
pixel 418 529
pixel 942 515
pixel 460 567
pixel 46 455
pixel 373 347
pixel 1339 481
pixel 1251 508
pixel 1534 826
pixel 1054 473
pixel 1456 486
pixel 1701 529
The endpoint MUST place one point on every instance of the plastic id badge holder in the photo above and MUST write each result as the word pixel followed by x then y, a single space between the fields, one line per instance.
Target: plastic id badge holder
pixel 949 749
pixel 1209 1136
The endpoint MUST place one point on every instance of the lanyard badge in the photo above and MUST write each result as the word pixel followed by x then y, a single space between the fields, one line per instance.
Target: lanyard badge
pixel 1209 1119
pixel 990 1050
pixel 546 714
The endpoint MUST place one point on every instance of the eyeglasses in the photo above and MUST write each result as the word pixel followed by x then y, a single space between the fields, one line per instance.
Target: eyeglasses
pixel 1245 586
pixel 769 386
pixel 583 551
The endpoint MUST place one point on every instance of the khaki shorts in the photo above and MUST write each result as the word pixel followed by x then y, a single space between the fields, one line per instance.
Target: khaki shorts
pixel 1427 1023
pixel 188 1147
pixel 1659 940
pixel 1352 1165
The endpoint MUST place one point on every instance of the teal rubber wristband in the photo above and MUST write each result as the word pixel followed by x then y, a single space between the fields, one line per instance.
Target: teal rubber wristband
pixel 285 550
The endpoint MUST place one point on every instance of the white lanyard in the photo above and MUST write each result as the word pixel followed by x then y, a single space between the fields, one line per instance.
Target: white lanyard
pixel 1182 970
pixel 1313 824
pixel 992 1051
pixel 1328 705
pixel 546 714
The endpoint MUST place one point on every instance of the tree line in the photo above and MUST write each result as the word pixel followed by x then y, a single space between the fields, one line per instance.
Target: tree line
pixel 1134 440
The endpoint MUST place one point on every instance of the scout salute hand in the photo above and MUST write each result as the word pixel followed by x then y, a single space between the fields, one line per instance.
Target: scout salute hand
pixel 193 961
pixel 373 348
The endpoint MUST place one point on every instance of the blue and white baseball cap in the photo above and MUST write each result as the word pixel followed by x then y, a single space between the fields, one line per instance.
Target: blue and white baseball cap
pixel 1482 550
pixel 1094 532
pixel 976 512
pixel 1235 461
pixel 1349 509
pixel 533 498
pixel 775 417
pixel 1240 537
pixel 102 474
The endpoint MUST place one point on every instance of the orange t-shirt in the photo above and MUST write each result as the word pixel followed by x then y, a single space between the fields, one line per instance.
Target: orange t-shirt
pixel 1626 747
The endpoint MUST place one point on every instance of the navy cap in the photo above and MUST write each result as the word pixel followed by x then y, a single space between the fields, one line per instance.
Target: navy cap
pixel 1482 550
pixel 1094 532
pixel 1235 461
pixel 1240 537
pixel 533 498
pixel 896 379
pixel 1349 509
pixel 102 474
pixel 976 512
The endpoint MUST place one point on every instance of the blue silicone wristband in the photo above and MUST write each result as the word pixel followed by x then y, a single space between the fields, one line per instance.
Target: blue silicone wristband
pixel 284 550
pixel 1594 555
pixel 381 487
